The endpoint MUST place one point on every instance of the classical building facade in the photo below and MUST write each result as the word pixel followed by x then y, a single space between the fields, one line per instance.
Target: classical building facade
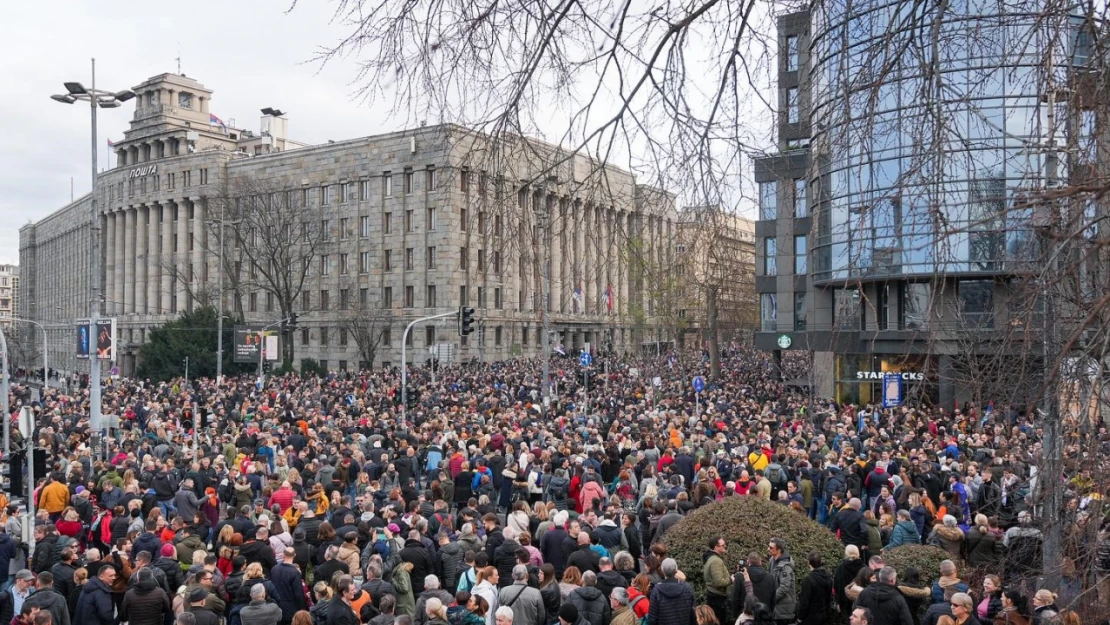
pixel 411 224
pixel 9 294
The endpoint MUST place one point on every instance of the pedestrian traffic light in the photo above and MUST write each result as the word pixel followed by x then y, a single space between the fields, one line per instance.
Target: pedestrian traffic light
pixel 411 397
pixel 466 320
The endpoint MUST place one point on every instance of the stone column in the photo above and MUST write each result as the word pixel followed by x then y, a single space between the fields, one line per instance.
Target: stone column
pixel 141 266
pixel 121 261
pixel 181 258
pixel 626 274
pixel 200 275
pixel 152 260
pixel 580 236
pixel 555 234
pixel 607 270
pixel 109 260
pixel 129 260
pixel 165 276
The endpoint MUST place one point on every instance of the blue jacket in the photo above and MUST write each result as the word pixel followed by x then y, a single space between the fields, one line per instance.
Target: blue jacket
pixel 7 552
pixel 938 591
pixel 905 533
pixel 95 605
pixel 478 473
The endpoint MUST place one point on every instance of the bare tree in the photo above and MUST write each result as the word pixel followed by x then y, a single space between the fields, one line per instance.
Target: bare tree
pixel 368 327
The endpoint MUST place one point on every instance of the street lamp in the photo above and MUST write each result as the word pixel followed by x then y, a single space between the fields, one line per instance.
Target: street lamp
pixel 102 99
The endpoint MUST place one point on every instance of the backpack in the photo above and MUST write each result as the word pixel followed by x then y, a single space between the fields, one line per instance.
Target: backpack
pixel 632 608
pixel 776 476
pixel 558 490
pixel 466 580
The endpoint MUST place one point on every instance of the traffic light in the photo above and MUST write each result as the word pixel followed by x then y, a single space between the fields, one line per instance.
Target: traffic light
pixel 466 320
pixel 293 320
pixel 411 397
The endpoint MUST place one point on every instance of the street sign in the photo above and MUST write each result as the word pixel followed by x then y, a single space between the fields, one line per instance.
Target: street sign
pixel 892 390
pixel 699 384
pixel 114 371
pixel 585 359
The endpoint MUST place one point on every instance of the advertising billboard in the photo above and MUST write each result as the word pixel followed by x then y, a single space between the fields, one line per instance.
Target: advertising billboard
pixel 253 343
pixel 104 342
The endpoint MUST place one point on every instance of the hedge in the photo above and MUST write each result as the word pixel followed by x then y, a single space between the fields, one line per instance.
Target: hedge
pixel 748 524
pixel 926 558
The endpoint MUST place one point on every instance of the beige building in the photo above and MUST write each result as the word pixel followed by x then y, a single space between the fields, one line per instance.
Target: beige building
pixel 9 294
pixel 716 252
pixel 401 225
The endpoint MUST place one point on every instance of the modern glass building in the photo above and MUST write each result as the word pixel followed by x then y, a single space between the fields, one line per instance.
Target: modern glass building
pixel 910 141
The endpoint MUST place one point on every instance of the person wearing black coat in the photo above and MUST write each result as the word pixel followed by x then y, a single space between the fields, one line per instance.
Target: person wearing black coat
pixel 504 558
pixel 592 604
pixel 339 608
pixel 146 603
pixel 887 605
pixel 816 596
pixel 849 525
pixel 48 599
pixel 763 586
pixel 551 547
pixel 95 605
pixel 63 575
pixel 423 565
pixel 584 558
pixel 46 551
pixel 259 550
pixel 175 577
pixel 843 576
pixel 147 541
pixel 7 553
pixel 286 578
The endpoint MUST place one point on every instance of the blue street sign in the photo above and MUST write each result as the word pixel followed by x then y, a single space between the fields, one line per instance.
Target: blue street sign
pixel 584 359
pixel 699 384
pixel 892 390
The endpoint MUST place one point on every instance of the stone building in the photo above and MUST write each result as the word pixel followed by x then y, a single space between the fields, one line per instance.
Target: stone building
pixel 9 294
pixel 410 224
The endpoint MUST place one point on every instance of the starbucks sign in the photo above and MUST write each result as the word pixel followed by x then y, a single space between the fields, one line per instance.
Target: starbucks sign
pixel 784 341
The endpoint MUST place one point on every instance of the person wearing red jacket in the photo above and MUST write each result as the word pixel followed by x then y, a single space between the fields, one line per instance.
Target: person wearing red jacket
pixel 283 497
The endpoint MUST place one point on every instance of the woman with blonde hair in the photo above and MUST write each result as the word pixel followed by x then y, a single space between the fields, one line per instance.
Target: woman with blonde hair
pixel 1044 607
pixel 486 588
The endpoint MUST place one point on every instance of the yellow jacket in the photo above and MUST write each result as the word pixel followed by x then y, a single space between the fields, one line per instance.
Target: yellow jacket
pixel 54 497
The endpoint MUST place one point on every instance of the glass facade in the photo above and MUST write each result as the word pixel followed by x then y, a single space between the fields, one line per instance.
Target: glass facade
pixel 916 174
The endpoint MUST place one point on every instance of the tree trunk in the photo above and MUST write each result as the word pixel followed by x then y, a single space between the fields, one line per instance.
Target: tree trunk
pixel 714 332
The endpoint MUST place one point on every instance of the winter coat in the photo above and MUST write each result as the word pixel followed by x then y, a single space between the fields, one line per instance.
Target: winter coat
pixel 187 504
pixel 715 573
pixel 551 546
pixel 149 543
pixel 46 554
pixel 526 603
pixel 951 539
pixel 585 559
pixel 421 616
pixel 905 533
pixel 289 584
pixel 53 602
pixel 416 554
pixel 402 589
pixel 916 597
pixel 260 613
pixel 815 598
pixel 187 547
pixel 672 603
pixel 849 523
pixel 592 605
pixel 348 554
pixel 552 600
pixel 451 559
pixel 983 548
pixel 786 597
pixel 145 604
pixel 874 536
pixel 339 613
pixel 887 605
pixel 504 558
pixel 95 606
pixel 943 583
pixel 175 577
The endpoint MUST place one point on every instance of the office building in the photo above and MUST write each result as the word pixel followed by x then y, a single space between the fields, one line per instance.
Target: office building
pixel 9 294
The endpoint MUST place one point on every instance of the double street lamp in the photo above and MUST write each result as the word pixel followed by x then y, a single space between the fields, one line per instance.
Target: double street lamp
pixel 96 98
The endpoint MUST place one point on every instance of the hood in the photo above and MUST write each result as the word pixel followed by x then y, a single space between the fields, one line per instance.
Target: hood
pixel 946 582
pixel 611 575
pixel 872 522
pixel 146 585
pixel 886 592
pixel 949 533
pixel 413 543
pixel 591 593
pixel 708 553
pixel 757 574
pixel 908 526
pixel 607 523
pixel 95 585
pixel 669 589
pixel 913 592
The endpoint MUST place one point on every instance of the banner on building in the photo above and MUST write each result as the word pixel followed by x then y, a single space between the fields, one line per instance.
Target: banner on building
pixel 104 342
pixel 253 343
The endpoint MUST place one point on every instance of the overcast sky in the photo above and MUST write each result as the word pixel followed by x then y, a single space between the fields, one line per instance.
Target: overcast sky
pixel 249 52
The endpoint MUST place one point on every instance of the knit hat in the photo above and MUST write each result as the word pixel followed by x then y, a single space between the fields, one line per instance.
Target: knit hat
pixel 167 551
pixel 568 612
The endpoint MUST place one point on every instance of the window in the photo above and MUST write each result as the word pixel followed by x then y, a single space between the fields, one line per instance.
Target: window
pixel 269 302
pixel 363 297
pixel 364 262
pixel 462 219
pixel 430 296
pixel 325 299
pixel 325 230
pixel 387 183
pixel 409 259
pixel 524 336
pixel 157 185
pixel 800 208
pixel 846 309
pixel 387 297
pixel 497 299
pixel 481 297
pixel 409 296
pixel 976 303
pixel 464 180
pixel 800 254
pixel 496 262
pixel 347 192
pixel 409 226
pixel 171 180
pixel 343 264
pixel 344 299
pixel 387 337
pixel 344 228
pixel 409 180
pixel 325 195
pixel 306 301
pixel 768 201
pixel 323 336
pixel 429 335
pixel 430 220
pixel 462 295
pixel 254 302
pixel 792 105
pixel 325 265
pixel 343 341
pixel 364 190
pixel 464 258
pixel 186 179
pixel 387 223
pixel 430 179
pixel 364 227
pixel 387 260
pixel 770 263
pixel 304 336
pixel 1088 137
pixel 481 260
pixel 768 312
pixel 497 336
pixel 791 53
pixel 409 339
pixel 497 225
pixel 481 222
pixel 882 307
pixel 432 257
pixel 799 312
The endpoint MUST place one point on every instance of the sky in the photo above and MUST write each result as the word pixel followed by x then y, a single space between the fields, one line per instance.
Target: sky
pixel 249 52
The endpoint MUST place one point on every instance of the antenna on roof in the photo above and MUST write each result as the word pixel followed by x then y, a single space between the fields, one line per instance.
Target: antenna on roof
pixel 178 59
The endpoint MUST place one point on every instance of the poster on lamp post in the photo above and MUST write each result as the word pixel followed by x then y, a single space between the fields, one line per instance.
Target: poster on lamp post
pixel 103 341
pixel 252 341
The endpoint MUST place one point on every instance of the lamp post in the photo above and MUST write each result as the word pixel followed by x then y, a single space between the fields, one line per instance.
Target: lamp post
pixel 103 99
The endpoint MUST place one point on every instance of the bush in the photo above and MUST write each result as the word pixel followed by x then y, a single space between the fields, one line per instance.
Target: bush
pixel 748 524
pixel 926 558
pixel 311 366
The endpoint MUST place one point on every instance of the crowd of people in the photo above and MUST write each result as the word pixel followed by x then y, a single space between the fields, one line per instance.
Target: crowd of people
pixel 310 501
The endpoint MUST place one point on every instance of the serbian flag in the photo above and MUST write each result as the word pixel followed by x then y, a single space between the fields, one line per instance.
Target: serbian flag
pixel 609 297
pixel 216 121
pixel 111 144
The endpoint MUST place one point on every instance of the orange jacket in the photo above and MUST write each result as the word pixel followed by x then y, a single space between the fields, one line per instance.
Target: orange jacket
pixel 54 497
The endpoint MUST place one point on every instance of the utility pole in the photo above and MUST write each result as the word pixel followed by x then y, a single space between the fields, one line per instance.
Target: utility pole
pixel 220 305
pixel 5 381
pixel 545 290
